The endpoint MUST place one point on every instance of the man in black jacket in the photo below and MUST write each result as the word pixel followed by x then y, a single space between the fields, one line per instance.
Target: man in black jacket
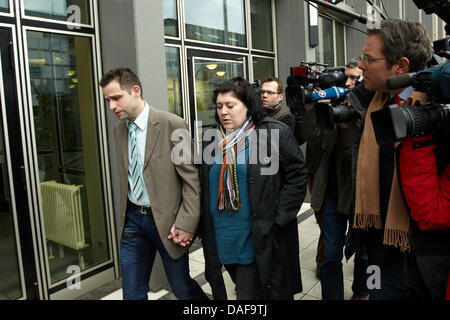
pixel 381 221
pixel 328 158
pixel 272 93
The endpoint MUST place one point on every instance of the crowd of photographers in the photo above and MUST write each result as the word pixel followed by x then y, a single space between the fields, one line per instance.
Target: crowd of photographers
pixel 377 136
pixel 387 178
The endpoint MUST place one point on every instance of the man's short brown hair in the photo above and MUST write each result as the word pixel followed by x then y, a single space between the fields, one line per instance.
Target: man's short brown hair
pixel 278 81
pixel 125 76
pixel 403 38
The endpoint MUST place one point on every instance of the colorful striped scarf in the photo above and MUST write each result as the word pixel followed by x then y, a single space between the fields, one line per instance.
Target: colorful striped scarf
pixel 228 196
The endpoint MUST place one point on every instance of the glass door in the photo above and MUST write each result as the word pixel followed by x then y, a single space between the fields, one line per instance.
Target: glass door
pixel 207 70
pixel 62 96
pixel 17 268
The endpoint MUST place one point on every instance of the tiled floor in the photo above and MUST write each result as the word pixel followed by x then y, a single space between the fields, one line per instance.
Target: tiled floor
pixel 308 231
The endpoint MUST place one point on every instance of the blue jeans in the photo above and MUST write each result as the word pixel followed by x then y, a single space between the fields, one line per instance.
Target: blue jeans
pixel 334 226
pixel 140 240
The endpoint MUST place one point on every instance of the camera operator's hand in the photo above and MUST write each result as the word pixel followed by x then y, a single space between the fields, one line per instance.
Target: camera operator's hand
pixel 309 106
pixel 344 125
pixel 417 98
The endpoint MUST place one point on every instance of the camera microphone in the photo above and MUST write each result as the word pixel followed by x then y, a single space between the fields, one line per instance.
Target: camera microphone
pixel 331 93
pixel 401 81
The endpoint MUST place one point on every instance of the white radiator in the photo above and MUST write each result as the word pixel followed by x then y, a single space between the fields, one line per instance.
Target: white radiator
pixel 63 214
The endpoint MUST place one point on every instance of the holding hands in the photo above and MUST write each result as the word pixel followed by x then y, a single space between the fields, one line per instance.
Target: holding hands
pixel 180 237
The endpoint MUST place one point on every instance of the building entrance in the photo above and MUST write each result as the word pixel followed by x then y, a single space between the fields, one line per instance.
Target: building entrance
pixel 18 278
pixel 207 70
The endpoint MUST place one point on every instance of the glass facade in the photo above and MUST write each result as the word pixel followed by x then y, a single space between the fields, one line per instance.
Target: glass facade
pixel 170 18
pixel 209 74
pixel 62 92
pixel 263 68
pixel 10 282
pixel 174 80
pixel 4 6
pixel 327 41
pixel 340 45
pixel 216 21
pixel 76 11
pixel 325 51
pixel 261 17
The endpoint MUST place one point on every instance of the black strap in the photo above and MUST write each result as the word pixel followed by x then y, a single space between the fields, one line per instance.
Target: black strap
pixel 423 144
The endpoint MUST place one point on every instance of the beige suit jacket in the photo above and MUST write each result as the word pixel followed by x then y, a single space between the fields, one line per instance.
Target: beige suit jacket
pixel 173 190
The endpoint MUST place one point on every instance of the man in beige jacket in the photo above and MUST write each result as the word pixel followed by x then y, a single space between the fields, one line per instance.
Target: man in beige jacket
pixel 159 200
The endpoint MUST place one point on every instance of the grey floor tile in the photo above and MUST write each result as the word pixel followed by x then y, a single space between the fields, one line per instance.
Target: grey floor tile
pixel 315 291
pixel 305 239
pixel 308 259
pixel 309 279
pixel 299 296
pixel 308 297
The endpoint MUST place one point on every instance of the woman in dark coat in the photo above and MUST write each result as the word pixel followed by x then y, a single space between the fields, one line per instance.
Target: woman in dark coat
pixel 253 181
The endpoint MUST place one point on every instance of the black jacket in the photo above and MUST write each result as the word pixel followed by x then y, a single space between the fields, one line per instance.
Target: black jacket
pixel 275 200
pixel 431 249
pixel 283 115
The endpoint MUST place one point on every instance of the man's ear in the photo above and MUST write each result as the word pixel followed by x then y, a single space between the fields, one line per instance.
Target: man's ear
pixel 136 90
pixel 402 65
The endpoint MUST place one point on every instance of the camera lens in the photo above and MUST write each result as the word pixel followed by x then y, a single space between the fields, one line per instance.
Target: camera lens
pixel 422 120
pixel 344 114
pixel 328 115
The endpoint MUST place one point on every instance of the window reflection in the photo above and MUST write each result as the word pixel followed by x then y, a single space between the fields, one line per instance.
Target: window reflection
pixel 170 18
pixel 76 11
pixel 4 6
pixel 261 15
pixel 62 91
pixel 217 21
pixel 340 44
pixel 10 282
pixel 209 74
pixel 325 49
pixel 263 68
pixel 174 80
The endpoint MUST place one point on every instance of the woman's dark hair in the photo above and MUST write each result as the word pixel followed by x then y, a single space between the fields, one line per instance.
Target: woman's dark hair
pixel 245 92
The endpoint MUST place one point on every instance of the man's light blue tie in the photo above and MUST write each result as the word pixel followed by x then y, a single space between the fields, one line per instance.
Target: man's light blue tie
pixel 134 169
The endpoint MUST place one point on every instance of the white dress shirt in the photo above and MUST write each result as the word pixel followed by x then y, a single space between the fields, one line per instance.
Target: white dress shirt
pixel 141 135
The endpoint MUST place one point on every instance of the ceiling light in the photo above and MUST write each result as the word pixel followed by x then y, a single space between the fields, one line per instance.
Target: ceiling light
pixel 211 66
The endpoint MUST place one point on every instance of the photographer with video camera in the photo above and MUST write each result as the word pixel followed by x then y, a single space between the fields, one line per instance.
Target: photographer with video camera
pixel 425 179
pixel 382 223
pixel 329 154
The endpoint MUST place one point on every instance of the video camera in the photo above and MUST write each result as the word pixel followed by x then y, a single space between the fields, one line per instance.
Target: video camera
pixel 398 123
pixel 307 78
pixel 257 86
pixel 310 76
